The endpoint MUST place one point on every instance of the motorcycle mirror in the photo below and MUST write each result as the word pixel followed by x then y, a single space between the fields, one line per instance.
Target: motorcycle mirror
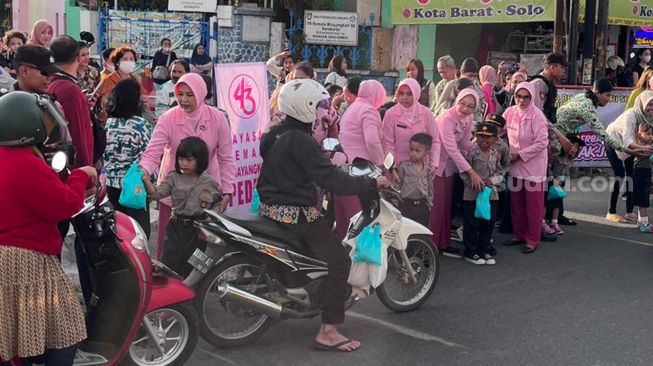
pixel 87 37
pixel 331 145
pixel 389 161
pixel 59 161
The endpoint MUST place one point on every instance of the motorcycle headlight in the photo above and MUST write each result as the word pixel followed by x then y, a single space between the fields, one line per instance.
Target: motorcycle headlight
pixel 140 239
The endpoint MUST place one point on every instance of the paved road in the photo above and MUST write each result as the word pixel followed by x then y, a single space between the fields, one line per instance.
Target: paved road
pixel 584 300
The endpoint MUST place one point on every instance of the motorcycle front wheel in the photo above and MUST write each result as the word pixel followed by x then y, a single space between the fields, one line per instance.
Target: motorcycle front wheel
pixel 176 332
pixel 225 323
pixel 398 293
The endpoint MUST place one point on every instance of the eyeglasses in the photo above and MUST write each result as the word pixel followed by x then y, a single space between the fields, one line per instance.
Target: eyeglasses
pixel 523 96
pixel 469 106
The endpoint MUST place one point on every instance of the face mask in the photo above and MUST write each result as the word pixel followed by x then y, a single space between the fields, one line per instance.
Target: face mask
pixel 175 80
pixel 646 59
pixel 127 66
pixel 166 49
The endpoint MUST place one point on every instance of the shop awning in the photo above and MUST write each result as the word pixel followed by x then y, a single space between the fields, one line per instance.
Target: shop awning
pixel 472 11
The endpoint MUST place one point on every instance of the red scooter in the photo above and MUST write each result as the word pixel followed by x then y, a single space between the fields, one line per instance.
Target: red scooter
pixel 140 312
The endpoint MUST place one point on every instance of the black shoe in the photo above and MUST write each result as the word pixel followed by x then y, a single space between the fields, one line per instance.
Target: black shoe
pixel 492 250
pixel 548 237
pixel 562 220
pixel 512 243
pixel 527 249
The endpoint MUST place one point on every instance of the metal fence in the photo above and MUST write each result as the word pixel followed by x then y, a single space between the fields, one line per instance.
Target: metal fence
pixel 359 57
pixel 144 30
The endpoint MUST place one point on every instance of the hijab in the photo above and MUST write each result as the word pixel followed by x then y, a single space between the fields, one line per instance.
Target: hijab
pixel 452 113
pixel 531 109
pixel 196 59
pixel 487 75
pixel 407 115
pixel 196 83
pixel 39 26
pixel 640 107
pixel 373 93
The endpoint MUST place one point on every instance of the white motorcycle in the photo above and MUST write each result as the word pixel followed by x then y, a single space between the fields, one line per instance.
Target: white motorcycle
pixel 268 274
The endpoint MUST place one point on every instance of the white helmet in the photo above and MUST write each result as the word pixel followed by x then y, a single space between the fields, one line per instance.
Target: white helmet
pixel 299 98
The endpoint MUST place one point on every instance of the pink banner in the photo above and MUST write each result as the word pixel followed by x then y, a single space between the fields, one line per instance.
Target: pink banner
pixel 242 91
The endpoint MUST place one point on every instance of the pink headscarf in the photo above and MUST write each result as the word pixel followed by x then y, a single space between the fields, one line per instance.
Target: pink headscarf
pixel 372 92
pixel 408 114
pixel 539 89
pixel 198 86
pixel 39 26
pixel 463 93
pixel 487 74
pixel 531 109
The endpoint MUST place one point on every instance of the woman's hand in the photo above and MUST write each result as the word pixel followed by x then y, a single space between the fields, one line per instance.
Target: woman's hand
pixel 91 172
pixel 433 172
pixel 382 182
pixel 514 157
pixel 477 182
pixel 224 202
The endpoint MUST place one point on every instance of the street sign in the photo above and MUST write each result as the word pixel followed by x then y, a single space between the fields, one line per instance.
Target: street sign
pixel 331 27
pixel 201 6
pixel 471 11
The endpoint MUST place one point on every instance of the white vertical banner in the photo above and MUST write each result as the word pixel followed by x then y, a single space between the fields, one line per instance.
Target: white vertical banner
pixel 242 91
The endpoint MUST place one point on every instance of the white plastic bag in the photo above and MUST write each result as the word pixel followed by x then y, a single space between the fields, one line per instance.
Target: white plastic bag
pixel 377 273
pixel 363 274
pixel 359 275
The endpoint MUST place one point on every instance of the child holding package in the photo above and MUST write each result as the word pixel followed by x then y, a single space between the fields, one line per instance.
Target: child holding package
pixel 642 178
pixel 558 169
pixel 413 180
pixel 192 190
pixel 486 161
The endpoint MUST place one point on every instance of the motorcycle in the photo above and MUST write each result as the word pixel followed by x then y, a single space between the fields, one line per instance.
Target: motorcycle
pixel 254 271
pixel 139 313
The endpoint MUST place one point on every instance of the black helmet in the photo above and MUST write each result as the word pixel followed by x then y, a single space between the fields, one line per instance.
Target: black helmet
pixel 27 119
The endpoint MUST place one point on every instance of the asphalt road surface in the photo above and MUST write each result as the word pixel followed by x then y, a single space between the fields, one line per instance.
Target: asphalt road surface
pixel 583 300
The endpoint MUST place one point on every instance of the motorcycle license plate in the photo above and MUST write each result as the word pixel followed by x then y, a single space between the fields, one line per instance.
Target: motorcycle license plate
pixel 201 261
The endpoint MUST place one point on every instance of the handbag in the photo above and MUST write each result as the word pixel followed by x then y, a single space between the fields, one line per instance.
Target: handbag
pixel 483 209
pixel 133 194
pixel 161 72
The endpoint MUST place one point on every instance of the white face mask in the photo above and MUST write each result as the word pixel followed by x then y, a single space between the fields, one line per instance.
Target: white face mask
pixel 646 59
pixel 127 66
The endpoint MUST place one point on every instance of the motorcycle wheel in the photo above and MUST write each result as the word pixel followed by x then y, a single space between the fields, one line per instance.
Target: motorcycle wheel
pixel 226 323
pixel 178 331
pixel 396 292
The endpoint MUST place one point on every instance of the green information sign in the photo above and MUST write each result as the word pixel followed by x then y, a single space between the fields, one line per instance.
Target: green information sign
pixel 627 12
pixel 472 11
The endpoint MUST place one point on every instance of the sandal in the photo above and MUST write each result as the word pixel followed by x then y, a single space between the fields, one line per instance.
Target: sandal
pixel 333 348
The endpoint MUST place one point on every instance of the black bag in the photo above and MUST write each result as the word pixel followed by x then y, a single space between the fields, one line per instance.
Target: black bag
pixel 99 137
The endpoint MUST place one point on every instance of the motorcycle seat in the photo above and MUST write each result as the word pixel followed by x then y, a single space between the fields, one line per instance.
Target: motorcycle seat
pixel 268 230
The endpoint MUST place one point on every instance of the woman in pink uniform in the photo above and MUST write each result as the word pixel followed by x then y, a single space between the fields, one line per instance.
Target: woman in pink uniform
pixel 406 119
pixel 528 137
pixel 190 118
pixel 360 137
pixel 455 133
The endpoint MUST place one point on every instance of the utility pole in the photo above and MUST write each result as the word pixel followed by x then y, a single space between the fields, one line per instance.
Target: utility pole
pixel 601 39
pixel 588 42
pixel 559 27
pixel 572 46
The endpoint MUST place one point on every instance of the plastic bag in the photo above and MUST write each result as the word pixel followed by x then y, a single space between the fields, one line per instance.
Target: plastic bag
pixel 483 209
pixel 359 275
pixel 133 193
pixel 368 246
pixel 256 200
pixel 556 192
pixel 364 274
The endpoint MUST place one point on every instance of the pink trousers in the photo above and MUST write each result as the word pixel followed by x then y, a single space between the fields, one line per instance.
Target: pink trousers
pixel 345 208
pixel 527 210
pixel 440 220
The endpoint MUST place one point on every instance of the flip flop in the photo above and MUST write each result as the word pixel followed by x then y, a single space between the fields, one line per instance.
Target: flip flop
pixel 333 348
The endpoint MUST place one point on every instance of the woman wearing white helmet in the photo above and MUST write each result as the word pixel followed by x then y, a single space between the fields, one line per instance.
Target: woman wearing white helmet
pixel 293 163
